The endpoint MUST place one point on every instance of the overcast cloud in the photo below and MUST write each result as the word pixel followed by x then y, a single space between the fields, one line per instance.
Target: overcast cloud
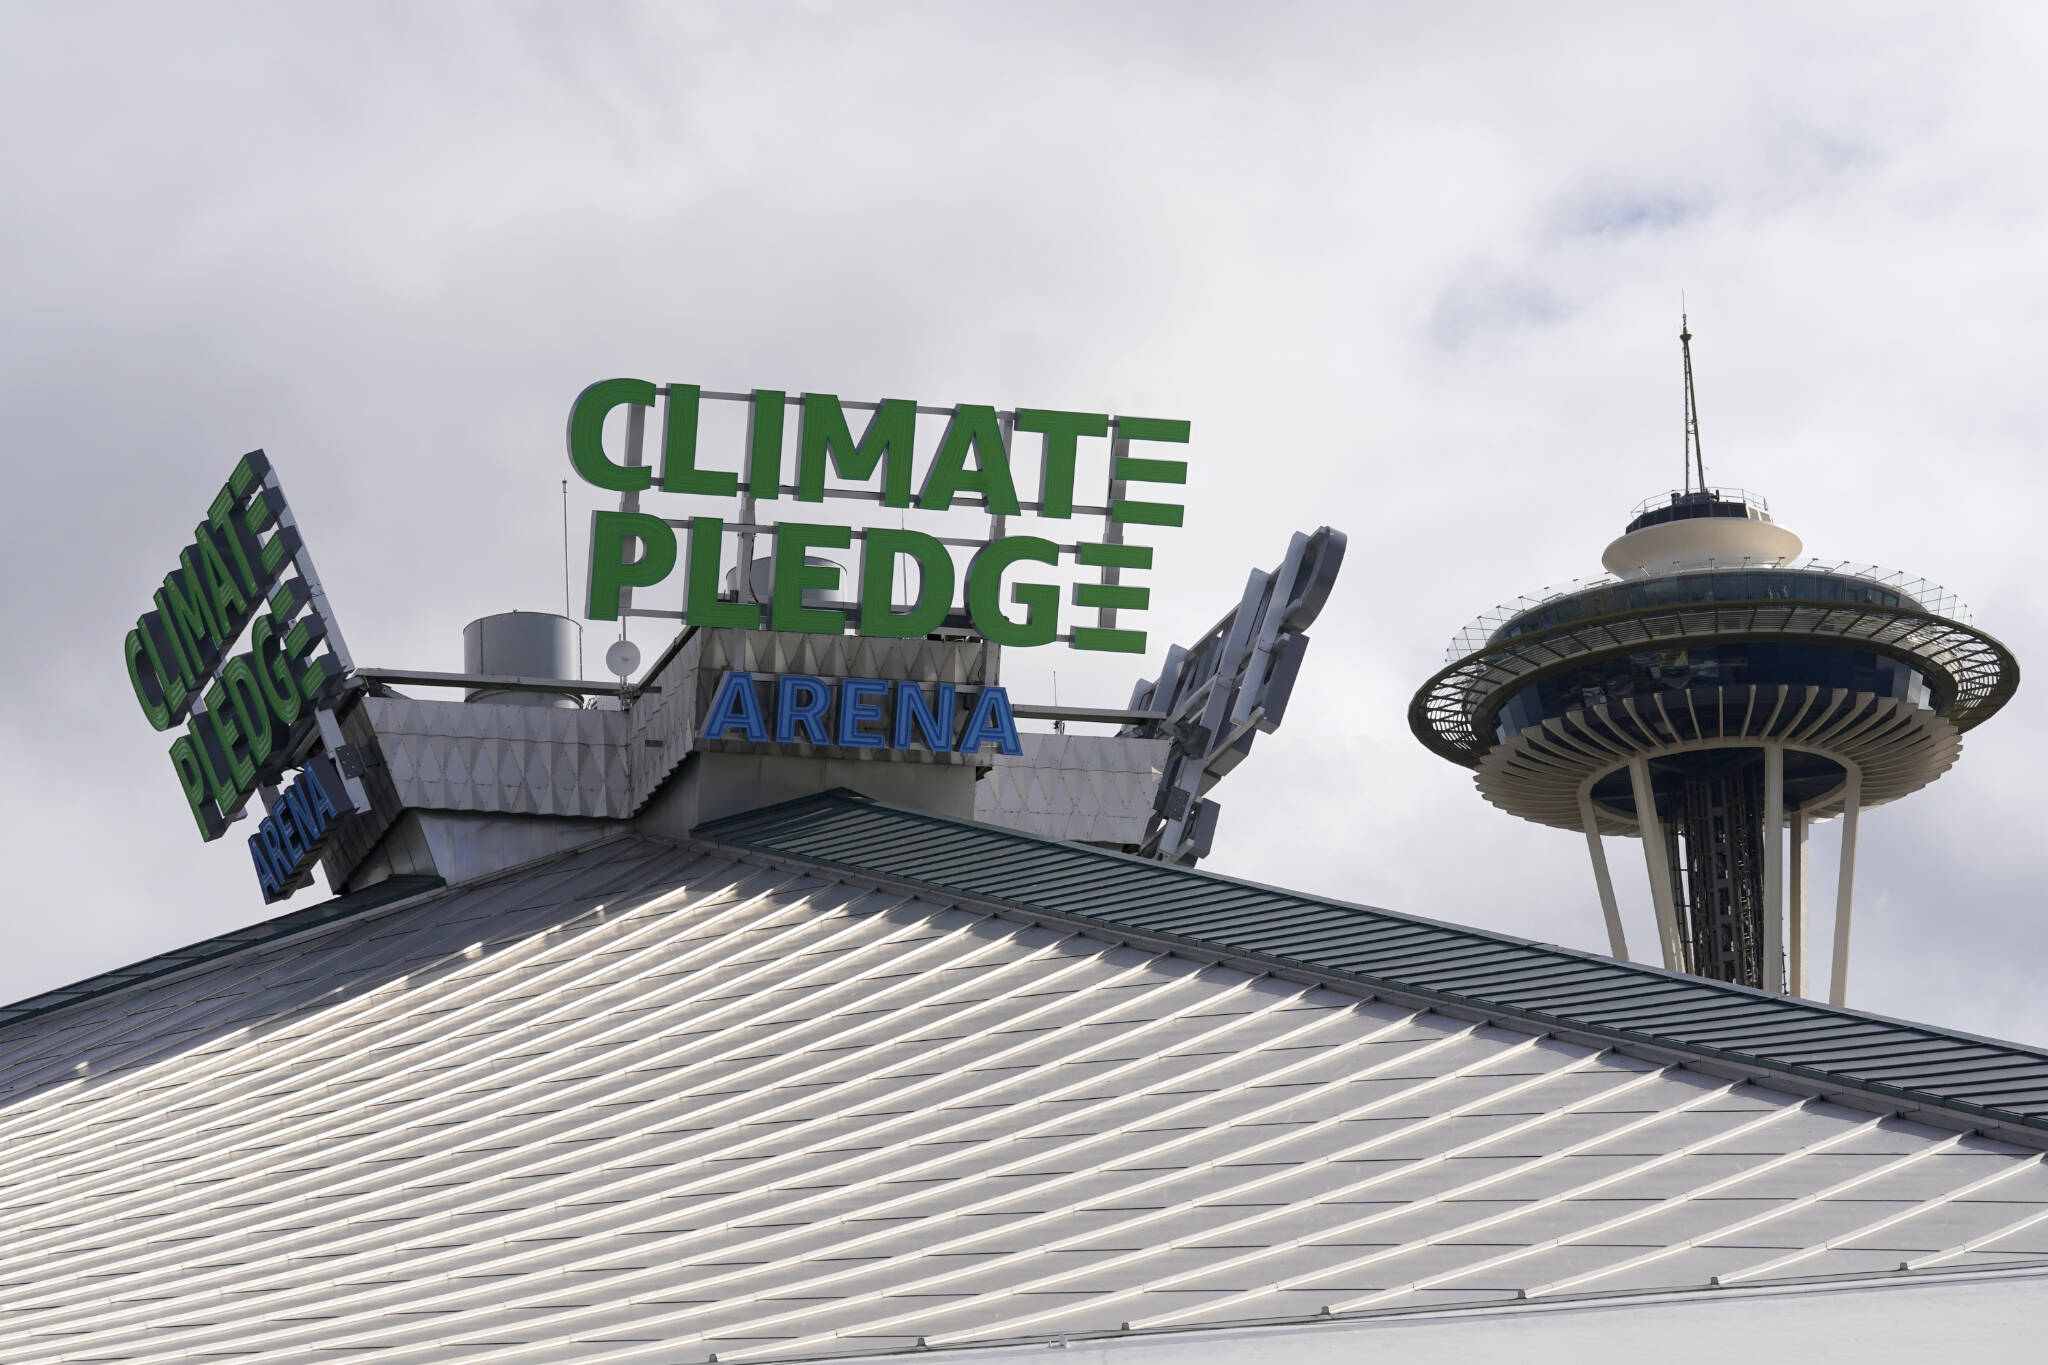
pixel 1410 270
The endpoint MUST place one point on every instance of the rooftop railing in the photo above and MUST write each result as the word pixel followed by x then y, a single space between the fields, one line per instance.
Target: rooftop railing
pixel 1703 502
pixel 1737 576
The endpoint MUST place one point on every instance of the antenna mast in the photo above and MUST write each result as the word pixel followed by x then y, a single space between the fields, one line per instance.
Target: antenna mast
pixel 1693 457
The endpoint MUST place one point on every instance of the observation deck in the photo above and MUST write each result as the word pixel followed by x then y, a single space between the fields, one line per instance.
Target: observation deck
pixel 1545 693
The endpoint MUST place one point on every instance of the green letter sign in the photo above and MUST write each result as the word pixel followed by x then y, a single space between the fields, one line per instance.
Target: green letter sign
pixel 970 465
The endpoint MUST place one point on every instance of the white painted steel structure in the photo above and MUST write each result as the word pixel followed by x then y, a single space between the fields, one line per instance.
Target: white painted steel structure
pixel 652 1101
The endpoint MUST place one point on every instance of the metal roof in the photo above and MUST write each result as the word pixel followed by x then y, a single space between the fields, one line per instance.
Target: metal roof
pixel 206 950
pixel 1997 1081
pixel 648 1102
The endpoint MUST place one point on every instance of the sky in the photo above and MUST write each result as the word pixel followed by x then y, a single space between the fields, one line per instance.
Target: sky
pixel 1413 272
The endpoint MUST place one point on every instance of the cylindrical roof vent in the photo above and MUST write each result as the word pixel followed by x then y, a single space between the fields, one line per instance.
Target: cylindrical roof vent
pixel 763 581
pixel 524 644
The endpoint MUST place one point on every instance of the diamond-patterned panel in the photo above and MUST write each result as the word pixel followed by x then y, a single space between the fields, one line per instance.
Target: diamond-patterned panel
pixel 522 760
pixel 1097 789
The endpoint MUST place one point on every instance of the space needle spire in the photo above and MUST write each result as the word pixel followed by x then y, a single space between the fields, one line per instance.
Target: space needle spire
pixel 1693 457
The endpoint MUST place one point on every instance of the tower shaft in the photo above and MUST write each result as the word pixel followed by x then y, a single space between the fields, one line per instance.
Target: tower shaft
pixel 1718 878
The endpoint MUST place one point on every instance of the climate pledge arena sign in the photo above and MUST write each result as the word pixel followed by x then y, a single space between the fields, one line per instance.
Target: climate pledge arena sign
pixel 970 465
pixel 246 718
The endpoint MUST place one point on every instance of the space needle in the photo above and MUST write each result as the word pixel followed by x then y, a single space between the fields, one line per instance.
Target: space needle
pixel 1715 695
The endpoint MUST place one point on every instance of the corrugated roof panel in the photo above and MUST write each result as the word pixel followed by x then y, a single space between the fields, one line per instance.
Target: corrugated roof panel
pixel 2031 1100
pixel 1557 980
pixel 1587 1001
pixel 1443 968
pixel 1855 1047
pixel 1671 995
pixel 1782 1036
pixel 1488 969
pixel 1968 1065
pixel 1198 917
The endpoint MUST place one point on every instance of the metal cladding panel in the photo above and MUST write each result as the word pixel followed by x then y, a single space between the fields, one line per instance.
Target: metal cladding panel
pixel 1093 788
pixel 2005 1081
pixel 507 759
pixel 649 1102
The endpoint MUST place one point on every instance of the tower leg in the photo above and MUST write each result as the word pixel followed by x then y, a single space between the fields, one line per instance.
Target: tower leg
pixel 1658 864
pixel 1845 885
pixel 1773 976
pixel 1796 897
pixel 1616 943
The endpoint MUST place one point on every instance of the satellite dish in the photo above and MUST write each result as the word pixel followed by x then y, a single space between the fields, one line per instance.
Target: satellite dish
pixel 622 658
